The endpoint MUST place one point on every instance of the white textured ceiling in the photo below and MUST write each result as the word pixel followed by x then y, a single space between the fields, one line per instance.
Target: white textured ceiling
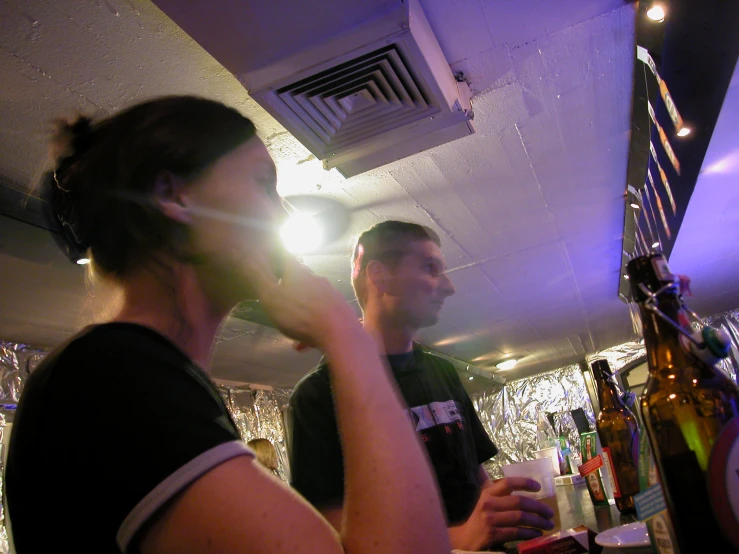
pixel 530 209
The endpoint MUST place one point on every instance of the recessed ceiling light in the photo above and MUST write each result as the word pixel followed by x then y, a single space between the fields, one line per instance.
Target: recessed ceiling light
pixel 626 277
pixel 635 205
pixel 83 261
pixel 655 244
pixel 470 377
pixel 507 364
pixel 684 132
pixel 656 13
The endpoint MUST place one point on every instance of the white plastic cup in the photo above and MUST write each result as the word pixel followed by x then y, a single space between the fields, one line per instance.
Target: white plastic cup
pixel 550 452
pixel 540 470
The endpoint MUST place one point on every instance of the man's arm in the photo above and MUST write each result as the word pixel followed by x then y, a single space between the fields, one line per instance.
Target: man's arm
pixel 497 518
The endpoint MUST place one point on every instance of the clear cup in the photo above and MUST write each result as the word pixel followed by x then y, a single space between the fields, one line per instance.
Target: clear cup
pixel 549 452
pixel 540 470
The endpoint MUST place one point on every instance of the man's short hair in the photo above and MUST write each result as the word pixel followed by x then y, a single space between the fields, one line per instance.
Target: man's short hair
pixel 386 242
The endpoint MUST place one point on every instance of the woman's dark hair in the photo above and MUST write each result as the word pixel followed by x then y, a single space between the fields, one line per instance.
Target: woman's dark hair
pixel 102 189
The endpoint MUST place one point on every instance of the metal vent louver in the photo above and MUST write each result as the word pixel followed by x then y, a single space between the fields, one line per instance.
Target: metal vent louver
pixel 379 93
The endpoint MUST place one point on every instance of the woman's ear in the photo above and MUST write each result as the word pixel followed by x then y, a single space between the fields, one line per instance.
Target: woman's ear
pixel 170 196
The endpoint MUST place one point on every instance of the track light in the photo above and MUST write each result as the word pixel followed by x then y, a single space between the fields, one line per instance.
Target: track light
pixel 656 13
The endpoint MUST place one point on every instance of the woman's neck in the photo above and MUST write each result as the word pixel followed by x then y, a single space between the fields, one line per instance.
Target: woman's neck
pixel 172 302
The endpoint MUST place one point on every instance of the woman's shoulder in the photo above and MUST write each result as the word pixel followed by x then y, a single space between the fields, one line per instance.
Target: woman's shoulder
pixel 109 346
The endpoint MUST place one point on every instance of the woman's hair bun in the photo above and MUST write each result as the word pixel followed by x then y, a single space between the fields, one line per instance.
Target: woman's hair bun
pixel 70 139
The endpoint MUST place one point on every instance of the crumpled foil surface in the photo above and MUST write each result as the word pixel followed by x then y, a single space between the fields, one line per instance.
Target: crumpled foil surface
pixel 620 355
pixel 728 322
pixel 16 362
pixel 510 413
pixel 258 414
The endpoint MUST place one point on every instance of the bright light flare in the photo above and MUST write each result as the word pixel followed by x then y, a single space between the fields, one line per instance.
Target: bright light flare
pixel 301 234
pixel 83 261
pixel 656 13
pixel 507 364
pixel 684 132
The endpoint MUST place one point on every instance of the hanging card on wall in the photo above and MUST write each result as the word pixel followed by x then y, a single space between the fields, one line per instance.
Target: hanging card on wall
pixel 647 212
pixel 643 55
pixel 662 176
pixel 663 139
pixel 660 208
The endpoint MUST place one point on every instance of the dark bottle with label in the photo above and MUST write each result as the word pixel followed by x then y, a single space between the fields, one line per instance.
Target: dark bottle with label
pixel 690 411
pixel 619 437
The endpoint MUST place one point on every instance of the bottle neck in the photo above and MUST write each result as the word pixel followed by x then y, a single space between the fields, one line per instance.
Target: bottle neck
pixel 662 340
pixel 607 395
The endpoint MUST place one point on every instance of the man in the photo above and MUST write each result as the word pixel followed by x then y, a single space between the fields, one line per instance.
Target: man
pixel 399 278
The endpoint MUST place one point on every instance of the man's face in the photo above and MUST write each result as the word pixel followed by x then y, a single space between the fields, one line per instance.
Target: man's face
pixel 417 287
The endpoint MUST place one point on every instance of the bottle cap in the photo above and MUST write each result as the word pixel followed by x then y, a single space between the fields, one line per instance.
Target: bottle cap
pixel 717 341
pixel 602 366
pixel 651 271
pixel 715 347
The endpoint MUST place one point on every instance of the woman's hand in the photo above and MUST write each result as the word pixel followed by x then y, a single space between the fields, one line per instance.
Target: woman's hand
pixel 302 305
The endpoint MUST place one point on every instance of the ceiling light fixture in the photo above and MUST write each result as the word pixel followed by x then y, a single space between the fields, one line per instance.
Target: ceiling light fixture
pixel 626 277
pixel 470 378
pixel 635 205
pixel 507 364
pixel 656 13
pixel 82 261
pixel 655 244
pixel 683 132
pixel 301 233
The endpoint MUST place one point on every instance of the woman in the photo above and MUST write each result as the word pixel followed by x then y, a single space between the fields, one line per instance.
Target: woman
pixel 174 201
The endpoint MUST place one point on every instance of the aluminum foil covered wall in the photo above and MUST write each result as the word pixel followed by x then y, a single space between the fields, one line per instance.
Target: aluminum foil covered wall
pixel 16 362
pixel 258 415
pixel 728 322
pixel 510 413
pixel 620 355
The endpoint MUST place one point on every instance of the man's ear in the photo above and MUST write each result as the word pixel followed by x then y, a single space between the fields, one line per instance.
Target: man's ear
pixel 170 196
pixel 377 274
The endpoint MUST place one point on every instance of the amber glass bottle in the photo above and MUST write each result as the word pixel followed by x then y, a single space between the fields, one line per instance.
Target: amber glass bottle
pixel 619 436
pixel 690 412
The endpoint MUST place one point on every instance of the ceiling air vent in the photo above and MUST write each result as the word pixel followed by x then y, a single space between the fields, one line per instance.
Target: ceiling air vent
pixel 370 96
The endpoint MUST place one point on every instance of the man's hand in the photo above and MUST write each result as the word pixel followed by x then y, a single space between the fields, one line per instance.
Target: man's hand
pixel 500 516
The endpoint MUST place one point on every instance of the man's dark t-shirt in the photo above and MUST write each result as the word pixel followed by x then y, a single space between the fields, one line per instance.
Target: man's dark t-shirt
pixel 439 409
pixel 109 428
